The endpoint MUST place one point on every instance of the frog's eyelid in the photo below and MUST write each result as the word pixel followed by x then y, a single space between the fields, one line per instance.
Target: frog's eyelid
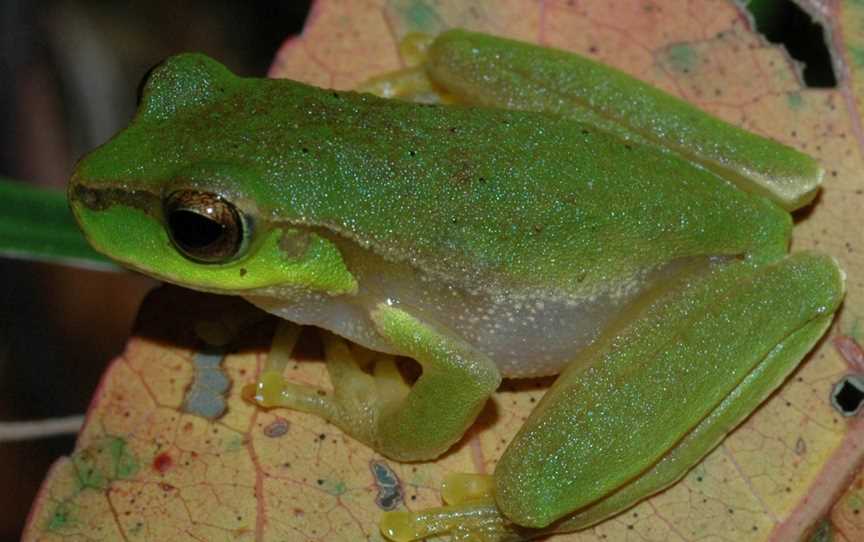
pixel 182 82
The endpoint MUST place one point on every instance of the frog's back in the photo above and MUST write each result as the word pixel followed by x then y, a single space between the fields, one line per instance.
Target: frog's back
pixel 486 198
pixel 503 198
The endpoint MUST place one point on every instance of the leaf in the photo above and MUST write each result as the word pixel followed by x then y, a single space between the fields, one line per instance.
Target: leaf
pixel 145 468
pixel 847 516
pixel 36 224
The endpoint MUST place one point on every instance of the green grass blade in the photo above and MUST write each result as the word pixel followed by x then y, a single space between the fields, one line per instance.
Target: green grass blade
pixel 36 224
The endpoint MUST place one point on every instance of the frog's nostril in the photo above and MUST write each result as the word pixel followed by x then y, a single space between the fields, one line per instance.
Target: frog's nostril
pixel 87 197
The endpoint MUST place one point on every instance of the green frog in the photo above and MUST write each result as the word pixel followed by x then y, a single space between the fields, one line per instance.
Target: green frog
pixel 560 218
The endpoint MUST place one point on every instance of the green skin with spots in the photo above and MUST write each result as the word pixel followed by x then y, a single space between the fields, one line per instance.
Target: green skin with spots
pixel 589 180
pixel 505 195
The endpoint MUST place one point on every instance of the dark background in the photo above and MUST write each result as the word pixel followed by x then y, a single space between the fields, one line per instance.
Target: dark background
pixel 69 73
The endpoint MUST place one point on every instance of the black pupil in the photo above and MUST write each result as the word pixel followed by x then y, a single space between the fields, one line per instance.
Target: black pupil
pixel 194 231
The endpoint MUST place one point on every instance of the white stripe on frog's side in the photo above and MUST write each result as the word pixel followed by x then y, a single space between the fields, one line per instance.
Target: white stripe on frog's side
pixel 525 334
pixel 340 314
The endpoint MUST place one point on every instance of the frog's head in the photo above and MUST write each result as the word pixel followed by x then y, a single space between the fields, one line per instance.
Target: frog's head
pixel 176 196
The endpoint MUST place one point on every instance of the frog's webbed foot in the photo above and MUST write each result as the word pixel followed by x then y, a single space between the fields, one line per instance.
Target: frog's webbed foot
pixel 470 515
pixel 376 406
pixel 357 396
pixel 410 83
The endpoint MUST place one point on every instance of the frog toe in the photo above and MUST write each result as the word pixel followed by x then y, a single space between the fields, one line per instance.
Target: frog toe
pixel 477 521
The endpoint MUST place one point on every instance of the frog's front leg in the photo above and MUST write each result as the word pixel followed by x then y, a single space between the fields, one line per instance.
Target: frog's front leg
pixel 407 424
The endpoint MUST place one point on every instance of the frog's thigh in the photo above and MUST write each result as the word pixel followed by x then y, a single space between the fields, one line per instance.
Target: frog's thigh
pixel 754 389
pixel 455 384
pixel 656 376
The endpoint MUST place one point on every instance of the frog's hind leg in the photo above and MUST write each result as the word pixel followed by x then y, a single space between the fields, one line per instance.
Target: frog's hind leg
pixel 660 389
pixel 470 514
pixel 644 403
pixel 407 423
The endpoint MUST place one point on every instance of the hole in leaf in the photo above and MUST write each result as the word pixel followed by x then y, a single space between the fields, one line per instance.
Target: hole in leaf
pixel 784 22
pixel 848 395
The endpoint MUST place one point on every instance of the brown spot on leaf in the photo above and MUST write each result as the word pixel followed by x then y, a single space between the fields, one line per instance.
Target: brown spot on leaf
pixel 163 463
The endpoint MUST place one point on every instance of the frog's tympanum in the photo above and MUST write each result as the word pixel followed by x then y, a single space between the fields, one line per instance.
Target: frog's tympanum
pixel 561 217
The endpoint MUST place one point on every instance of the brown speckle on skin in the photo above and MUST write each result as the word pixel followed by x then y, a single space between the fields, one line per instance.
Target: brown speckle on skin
pixel 294 243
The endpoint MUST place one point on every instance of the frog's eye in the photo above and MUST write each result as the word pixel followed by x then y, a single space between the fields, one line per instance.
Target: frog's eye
pixel 203 226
